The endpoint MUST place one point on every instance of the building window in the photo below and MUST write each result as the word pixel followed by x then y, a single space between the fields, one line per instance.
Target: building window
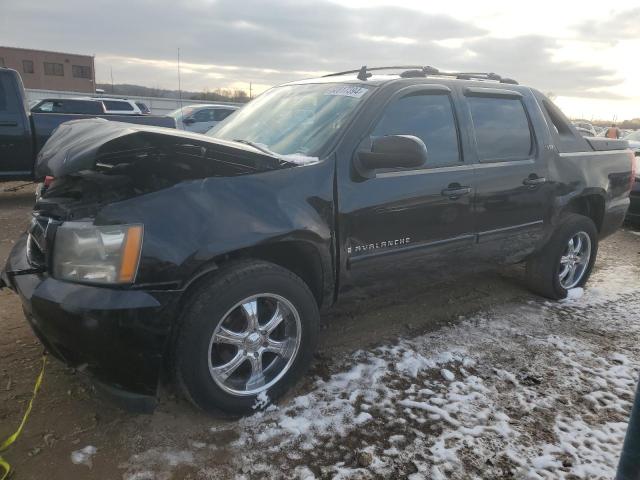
pixel 80 71
pixel 56 69
pixel 27 66
pixel 1 62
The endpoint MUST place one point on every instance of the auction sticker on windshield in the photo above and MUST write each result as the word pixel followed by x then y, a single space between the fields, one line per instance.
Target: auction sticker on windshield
pixel 347 91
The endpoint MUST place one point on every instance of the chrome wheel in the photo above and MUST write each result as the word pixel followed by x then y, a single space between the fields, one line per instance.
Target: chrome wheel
pixel 575 260
pixel 255 344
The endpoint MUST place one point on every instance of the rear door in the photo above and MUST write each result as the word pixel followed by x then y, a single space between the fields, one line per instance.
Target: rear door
pixel 410 221
pixel 513 197
pixel 16 155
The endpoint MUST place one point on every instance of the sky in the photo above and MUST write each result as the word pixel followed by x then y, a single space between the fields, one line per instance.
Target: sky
pixel 586 53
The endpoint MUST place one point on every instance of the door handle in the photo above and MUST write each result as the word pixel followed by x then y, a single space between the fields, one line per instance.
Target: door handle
pixel 533 181
pixel 8 123
pixel 455 191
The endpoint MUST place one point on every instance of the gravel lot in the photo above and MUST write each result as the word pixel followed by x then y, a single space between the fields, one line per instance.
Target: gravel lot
pixel 473 378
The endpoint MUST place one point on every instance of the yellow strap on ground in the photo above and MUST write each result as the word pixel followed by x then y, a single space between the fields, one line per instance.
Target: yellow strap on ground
pixel 4 466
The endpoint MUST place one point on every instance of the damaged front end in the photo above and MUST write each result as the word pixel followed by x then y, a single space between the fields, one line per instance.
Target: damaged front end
pixel 90 163
pixel 77 268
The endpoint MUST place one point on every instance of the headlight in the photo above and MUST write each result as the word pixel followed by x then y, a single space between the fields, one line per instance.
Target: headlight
pixel 84 252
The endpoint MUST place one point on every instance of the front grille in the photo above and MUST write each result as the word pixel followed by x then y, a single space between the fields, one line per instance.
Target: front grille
pixel 40 238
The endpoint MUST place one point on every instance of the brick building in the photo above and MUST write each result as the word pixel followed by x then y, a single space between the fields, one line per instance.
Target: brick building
pixel 51 70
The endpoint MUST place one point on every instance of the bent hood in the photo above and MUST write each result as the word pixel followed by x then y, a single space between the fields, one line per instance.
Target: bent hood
pixel 99 144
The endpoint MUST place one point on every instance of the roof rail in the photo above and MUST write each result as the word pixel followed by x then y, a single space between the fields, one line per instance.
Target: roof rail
pixel 413 71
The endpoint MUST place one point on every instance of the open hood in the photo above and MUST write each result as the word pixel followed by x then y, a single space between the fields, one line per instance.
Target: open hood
pixel 102 145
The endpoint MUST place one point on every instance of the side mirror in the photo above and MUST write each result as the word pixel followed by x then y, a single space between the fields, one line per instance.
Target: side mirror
pixel 392 151
pixel 188 121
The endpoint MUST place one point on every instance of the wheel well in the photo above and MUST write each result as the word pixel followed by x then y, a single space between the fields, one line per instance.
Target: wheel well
pixel 298 257
pixel 591 206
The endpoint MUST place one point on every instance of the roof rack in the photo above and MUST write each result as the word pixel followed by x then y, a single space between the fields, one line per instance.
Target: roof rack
pixel 415 71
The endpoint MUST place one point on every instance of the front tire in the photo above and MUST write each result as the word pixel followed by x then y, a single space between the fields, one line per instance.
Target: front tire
pixel 567 259
pixel 250 332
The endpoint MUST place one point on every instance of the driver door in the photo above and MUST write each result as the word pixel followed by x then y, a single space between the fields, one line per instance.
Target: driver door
pixel 404 221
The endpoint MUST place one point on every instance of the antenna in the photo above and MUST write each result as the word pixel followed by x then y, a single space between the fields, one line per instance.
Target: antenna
pixel 179 83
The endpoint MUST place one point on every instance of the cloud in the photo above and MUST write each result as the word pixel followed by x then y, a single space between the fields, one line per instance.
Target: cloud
pixel 529 59
pixel 267 42
pixel 623 25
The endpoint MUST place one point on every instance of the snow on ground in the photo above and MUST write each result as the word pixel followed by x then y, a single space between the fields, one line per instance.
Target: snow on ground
pixel 84 456
pixel 540 390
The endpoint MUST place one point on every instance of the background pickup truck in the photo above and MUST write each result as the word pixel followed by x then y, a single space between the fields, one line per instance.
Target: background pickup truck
pixel 22 134
pixel 213 254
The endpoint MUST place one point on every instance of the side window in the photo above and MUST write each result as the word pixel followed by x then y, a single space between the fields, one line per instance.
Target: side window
pixel 86 107
pixel 117 105
pixel 502 129
pixel 222 113
pixel 428 117
pixel 205 115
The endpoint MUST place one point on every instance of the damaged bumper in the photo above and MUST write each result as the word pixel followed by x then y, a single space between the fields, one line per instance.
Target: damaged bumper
pixel 118 335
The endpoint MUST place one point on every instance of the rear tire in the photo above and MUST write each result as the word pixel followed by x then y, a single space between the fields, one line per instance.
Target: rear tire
pixel 549 270
pixel 257 321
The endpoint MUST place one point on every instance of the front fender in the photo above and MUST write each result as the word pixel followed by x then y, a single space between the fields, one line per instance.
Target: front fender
pixel 191 225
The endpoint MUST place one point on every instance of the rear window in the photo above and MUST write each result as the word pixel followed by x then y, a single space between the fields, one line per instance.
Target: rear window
pixel 501 128
pixel 117 105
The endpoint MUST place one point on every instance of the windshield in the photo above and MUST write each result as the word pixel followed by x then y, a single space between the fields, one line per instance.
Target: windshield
pixel 293 119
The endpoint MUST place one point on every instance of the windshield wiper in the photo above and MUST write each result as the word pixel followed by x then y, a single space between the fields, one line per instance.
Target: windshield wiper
pixel 257 146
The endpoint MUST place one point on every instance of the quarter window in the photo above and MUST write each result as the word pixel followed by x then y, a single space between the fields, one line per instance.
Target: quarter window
pixel 502 129
pixel 428 117
pixel 55 69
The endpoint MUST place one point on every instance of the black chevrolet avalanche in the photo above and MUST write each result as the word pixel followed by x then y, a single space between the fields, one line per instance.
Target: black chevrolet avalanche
pixel 210 256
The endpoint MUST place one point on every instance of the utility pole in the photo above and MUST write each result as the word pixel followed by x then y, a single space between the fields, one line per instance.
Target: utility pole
pixel 179 81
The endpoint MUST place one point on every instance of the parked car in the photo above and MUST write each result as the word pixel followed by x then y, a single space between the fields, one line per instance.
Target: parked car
pixel 91 105
pixel 201 118
pixel 212 255
pixel 586 129
pixel 23 133
pixel 634 209
pixel 585 132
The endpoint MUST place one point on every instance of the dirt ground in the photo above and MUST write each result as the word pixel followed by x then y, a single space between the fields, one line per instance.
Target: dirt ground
pixel 69 415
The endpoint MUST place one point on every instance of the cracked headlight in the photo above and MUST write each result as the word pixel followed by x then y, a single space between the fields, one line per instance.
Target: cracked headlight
pixel 87 253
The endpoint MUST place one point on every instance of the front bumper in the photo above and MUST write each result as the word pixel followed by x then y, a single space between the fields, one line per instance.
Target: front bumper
pixel 119 335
